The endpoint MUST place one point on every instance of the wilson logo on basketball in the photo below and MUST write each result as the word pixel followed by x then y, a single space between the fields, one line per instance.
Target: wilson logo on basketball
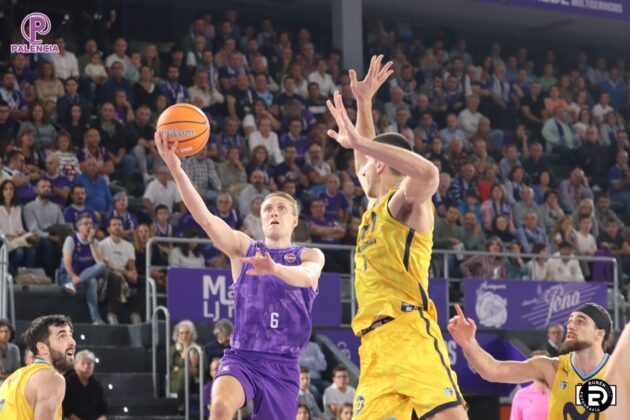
pixel 177 133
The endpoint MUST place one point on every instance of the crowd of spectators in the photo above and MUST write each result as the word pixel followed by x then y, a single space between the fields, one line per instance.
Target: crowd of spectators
pixel 505 129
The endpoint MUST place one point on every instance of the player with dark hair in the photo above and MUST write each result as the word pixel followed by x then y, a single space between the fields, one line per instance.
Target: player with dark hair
pixel 36 391
pixel 405 370
pixel 583 358
pixel 275 283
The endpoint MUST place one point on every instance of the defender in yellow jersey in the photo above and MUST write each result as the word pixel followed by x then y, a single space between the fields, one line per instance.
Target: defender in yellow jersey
pixel 35 392
pixel 405 370
pixel 584 359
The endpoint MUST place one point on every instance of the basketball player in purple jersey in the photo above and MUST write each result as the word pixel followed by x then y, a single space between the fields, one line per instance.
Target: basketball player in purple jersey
pixel 275 284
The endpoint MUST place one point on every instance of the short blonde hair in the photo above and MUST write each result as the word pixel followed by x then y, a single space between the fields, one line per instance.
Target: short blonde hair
pixel 282 194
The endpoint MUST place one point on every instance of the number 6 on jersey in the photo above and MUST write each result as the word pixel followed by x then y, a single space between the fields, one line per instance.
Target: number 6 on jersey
pixel 274 320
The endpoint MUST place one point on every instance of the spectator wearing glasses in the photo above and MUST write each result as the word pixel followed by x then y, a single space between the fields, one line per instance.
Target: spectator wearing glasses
pixel 82 264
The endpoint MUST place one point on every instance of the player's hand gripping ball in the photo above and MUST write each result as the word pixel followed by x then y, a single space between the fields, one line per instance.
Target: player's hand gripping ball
pixel 187 125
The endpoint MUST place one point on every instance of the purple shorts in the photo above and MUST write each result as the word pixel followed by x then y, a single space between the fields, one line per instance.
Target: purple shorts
pixel 272 382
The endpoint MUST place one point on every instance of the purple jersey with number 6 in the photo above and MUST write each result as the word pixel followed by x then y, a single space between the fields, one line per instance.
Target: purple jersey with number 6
pixel 270 315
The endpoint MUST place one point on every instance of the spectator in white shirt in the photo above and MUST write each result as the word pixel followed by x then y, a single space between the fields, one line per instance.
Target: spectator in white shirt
pixel 162 190
pixel 120 258
pixel 565 269
pixel 119 55
pixel 265 137
pixel 323 79
pixel 602 108
pixel 538 268
pixel 202 94
pixel 187 254
pixel 468 119
pixel 339 392
pixel 66 64
pixel 585 241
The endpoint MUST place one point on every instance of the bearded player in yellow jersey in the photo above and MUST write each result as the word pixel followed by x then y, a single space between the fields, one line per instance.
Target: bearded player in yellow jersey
pixel 35 392
pixel 405 371
pixel 583 359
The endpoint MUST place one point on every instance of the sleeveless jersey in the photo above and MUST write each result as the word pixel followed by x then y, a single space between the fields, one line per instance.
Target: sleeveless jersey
pixel 82 257
pixel 13 402
pixel 271 316
pixel 391 266
pixel 562 400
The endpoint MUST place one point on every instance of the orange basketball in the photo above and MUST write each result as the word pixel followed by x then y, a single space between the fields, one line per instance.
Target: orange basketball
pixel 187 125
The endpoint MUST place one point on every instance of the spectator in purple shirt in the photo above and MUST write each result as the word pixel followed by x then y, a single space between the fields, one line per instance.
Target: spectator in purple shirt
pixel 290 169
pixel 120 210
pixel 294 137
pixel 335 200
pixel 290 92
pixel 60 183
pixel 326 230
pixel 15 167
pixel 573 190
pixel 619 182
pixel 226 211
pixel 77 206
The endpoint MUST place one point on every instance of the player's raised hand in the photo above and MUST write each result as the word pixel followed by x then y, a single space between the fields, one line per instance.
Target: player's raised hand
pixel 365 89
pixel 461 328
pixel 347 135
pixel 262 264
pixel 167 154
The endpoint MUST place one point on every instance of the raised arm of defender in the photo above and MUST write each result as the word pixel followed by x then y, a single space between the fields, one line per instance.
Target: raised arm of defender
pixel 364 90
pixel 463 331
pixel 422 175
pixel 231 242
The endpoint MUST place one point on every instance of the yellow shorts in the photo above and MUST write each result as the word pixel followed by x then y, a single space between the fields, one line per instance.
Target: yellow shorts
pixel 405 368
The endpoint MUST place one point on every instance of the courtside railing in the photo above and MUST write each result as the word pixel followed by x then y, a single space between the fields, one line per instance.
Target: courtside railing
pixel 152 295
pixel 155 339
pixel 7 293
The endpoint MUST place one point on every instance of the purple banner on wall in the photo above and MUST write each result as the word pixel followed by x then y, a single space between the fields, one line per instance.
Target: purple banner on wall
pixel 206 295
pixel 438 293
pixel 612 9
pixel 527 304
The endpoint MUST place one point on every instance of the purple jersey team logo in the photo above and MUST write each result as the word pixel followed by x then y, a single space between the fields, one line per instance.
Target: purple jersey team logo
pixel 34 26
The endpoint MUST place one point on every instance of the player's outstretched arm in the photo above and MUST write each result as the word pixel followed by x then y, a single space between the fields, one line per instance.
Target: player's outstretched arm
pixel 463 330
pixel 618 374
pixel 422 175
pixel 49 388
pixel 364 90
pixel 303 275
pixel 231 242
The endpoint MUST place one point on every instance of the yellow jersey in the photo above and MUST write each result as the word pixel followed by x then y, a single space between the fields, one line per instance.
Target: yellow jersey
pixel 391 266
pixel 13 402
pixel 562 398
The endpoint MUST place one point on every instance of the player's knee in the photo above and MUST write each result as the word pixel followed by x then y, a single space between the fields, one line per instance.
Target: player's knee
pixel 220 410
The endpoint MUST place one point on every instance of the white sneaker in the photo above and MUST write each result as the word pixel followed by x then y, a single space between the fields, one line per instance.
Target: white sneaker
pixel 136 318
pixel 112 319
pixel 69 287
pixel 98 322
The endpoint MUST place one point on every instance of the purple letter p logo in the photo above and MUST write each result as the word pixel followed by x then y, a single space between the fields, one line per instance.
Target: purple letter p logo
pixel 37 23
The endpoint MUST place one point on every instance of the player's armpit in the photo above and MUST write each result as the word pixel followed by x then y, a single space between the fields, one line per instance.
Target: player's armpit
pixel 49 388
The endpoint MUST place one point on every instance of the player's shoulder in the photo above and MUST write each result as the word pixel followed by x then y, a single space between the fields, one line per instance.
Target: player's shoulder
pixel 312 254
pixel 46 379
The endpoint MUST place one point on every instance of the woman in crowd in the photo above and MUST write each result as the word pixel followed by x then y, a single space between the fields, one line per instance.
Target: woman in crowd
pixel 187 255
pixel 48 88
pixel 39 122
pixel 75 125
pixel 184 335
pixel 21 252
pixel 564 232
pixel 541 186
pixel 550 211
pixel 496 205
pixel 64 150
pixel 485 266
